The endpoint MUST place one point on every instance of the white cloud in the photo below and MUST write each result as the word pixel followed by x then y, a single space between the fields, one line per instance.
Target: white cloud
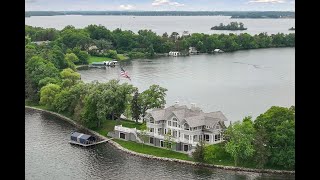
pixel 166 2
pixel 267 1
pixel 126 7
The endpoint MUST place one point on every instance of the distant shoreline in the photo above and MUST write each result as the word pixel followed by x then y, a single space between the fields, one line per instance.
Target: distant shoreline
pixel 232 14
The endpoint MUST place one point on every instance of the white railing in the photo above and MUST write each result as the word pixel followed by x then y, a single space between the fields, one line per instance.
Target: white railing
pixel 125 129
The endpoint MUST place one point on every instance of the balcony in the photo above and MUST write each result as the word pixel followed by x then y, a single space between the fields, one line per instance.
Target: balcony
pixel 153 125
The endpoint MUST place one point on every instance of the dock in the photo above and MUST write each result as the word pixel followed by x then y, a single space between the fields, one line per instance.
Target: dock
pixel 86 145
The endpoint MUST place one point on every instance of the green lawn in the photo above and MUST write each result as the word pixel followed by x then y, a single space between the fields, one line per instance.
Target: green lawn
pixel 98 59
pixel 122 57
pixel 146 149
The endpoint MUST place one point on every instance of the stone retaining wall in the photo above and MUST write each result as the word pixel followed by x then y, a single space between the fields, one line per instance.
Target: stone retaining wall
pixel 118 146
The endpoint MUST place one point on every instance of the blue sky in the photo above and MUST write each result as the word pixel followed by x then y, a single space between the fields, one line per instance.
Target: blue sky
pixel 160 5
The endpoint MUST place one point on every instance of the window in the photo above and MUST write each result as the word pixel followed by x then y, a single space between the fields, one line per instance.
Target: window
pixel 195 128
pixel 217 137
pixel 169 145
pixel 161 143
pixel 169 131
pixel 151 140
pixel 174 119
pixel 206 137
pixel 179 126
pixel 186 137
pixel 195 137
pixel 151 120
pixel 122 136
pixel 169 123
pixel 159 131
pixel 174 124
pixel 218 126
pixel 185 147
pixel 179 133
pixel 186 126
pixel 151 129
pixel 174 133
pixel 165 131
pixel 200 137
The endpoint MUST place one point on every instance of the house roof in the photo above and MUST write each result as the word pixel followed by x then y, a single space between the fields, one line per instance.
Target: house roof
pixel 194 116
pixel 82 136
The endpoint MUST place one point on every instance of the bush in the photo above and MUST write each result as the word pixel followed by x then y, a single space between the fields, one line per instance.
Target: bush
pixel 136 55
pixel 198 154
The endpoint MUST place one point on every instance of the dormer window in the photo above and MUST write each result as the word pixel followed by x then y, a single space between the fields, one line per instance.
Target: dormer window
pixel 186 126
pixel 175 119
pixel 151 120
pixel 218 126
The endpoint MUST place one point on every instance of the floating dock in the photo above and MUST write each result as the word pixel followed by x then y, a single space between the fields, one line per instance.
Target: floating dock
pixel 86 145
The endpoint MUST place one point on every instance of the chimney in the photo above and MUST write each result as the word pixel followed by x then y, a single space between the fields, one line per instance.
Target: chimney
pixel 176 104
pixel 193 106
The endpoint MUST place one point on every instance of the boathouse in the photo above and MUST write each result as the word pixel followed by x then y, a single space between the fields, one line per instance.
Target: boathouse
pixel 82 138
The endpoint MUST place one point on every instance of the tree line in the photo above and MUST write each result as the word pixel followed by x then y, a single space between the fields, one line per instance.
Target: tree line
pixel 266 142
pixel 243 14
pixel 231 26
pixel 145 43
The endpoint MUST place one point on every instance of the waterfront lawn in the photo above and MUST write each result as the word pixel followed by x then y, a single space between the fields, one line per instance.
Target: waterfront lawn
pixel 151 150
pixel 98 59
pixel 122 57
pixel 108 126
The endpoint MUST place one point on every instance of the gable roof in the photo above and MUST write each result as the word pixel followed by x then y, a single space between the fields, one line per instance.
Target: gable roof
pixel 194 117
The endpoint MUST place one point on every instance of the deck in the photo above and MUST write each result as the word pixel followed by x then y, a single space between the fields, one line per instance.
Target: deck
pixel 86 145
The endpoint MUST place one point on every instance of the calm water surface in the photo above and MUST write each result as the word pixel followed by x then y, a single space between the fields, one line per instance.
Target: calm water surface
pixel 161 24
pixel 239 84
pixel 48 155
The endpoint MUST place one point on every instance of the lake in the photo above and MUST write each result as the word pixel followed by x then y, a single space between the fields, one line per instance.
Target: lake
pixel 239 84
pixel 161 24
pixel 48 155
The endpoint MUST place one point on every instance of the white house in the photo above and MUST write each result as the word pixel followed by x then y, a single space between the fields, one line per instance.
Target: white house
pixel 193 50
pixel 186 126
pixel 218 51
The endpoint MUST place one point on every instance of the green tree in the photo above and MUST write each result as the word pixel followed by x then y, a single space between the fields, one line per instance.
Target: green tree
pixel 48 80
pixel 71 57
pixel 154 97
pixel 279 125
pixel 69 77
pixel 48 93
pixel 199 153
pixel 37 69
pixel 143 133
pixel 261 145
pixel 240 140
pixel 168 140
pixel 135 107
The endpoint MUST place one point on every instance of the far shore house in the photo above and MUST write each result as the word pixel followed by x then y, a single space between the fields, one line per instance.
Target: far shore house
pixel 186 126
pixel 40 42
pixel 193 50
pixel 218 51
pixel 174 53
